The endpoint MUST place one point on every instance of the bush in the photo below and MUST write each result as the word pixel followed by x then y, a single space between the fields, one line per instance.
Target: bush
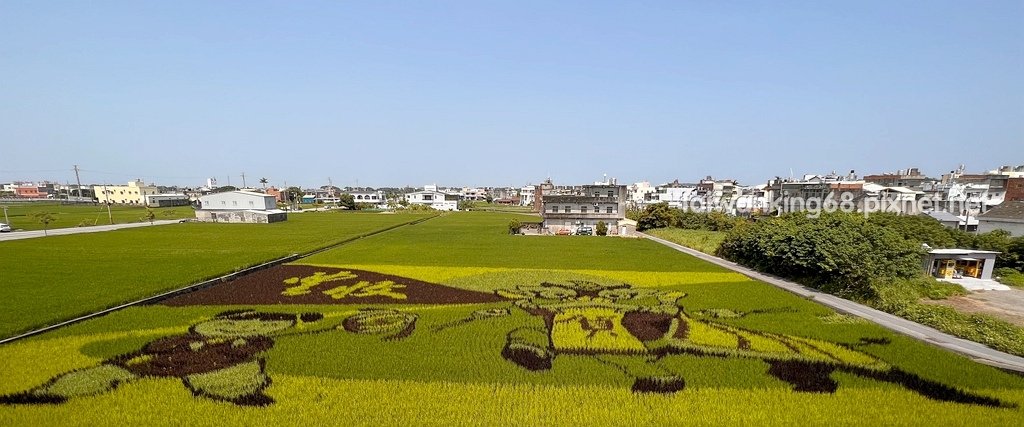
pixel 601 229
pixel 979 328
pixel 514 226
pixel 1009 276
pixel 913 289
pixel 839 253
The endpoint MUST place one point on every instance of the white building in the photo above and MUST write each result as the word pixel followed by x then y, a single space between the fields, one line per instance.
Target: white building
pixel 430 196
pixel 527 195
pixel 375 198
pixel 473 194
pixel 239 206
pixel 639 194
pixel 676 195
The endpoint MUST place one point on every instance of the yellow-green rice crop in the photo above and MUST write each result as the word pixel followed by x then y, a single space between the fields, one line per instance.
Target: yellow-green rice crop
pixel 592 329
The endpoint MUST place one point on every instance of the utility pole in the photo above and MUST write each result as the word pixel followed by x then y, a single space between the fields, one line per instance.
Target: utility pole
pixel 107 196
pixel 243 179
pixel 79 181
pixel 6 220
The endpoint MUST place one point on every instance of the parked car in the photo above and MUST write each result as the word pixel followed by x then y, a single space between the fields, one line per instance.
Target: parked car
pixel 4 228
pixel 585 231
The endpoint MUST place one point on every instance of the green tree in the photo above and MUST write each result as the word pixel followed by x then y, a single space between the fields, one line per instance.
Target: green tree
pixel 45 218
pixel 346 201
pixel 601 229
pixel 655 216
pixel 514 226
pixel 149 216
pixel 294 194
pixel 1014 255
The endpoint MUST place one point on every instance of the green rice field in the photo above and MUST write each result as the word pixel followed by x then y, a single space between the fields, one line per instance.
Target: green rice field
pixel 454 321
pixel 21 216
pixel 47 280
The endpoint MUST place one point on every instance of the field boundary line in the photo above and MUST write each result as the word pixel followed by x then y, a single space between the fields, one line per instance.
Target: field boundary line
pixel 972 350
pixel 210 282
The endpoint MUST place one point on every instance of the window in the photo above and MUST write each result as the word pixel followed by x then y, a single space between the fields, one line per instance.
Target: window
pixel 583 209
pixel 554 209
pixel 568 209
pixel 608 209
pixel 234 203
pixel 611 193
pixel 223 203
pixel 251 204
pixel 428 197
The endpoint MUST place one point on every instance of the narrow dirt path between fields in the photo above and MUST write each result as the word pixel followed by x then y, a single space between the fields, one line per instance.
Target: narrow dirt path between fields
pixel 971 349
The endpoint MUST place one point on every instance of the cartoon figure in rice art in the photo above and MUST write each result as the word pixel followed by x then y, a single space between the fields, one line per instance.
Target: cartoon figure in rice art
pixel 220 358
pixel 613 322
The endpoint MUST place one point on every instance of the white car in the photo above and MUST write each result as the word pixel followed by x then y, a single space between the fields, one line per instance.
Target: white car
pixel 4 228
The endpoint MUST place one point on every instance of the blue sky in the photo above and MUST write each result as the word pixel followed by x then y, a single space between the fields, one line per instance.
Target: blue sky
pixel 505 93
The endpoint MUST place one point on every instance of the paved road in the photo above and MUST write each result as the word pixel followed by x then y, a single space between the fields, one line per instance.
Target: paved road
pixel 18 235
pixel 971 349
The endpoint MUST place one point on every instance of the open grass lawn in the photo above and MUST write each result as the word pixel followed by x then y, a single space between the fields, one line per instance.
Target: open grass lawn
pixel 454 321
pixel 77 215
pixel 46 280
pixel 702 240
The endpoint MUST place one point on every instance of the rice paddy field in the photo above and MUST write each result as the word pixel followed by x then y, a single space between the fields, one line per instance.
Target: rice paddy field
pixel 84 215
pixel 453 321
pixel 46 280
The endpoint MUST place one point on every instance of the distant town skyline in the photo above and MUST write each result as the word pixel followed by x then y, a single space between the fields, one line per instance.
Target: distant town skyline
pixel 463 93
pixel 253 181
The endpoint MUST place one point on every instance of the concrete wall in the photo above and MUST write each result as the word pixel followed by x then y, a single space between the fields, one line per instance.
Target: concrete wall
pixel 553 226
pixel 240 216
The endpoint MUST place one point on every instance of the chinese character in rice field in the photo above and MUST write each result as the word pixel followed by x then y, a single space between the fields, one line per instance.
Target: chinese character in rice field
pixel 361 289
pixel 302 286
pixel 632 328
pixel 220 358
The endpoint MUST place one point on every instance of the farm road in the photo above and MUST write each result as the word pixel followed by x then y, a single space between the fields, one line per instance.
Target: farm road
pixel 18 235
pixel 971 349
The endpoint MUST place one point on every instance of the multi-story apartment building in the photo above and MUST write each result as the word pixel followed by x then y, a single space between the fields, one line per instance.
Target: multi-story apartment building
pixel 586 205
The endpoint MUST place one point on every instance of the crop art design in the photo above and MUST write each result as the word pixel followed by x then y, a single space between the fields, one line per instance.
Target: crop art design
pixel 606 322
pixel 220 359
pixel 532 330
